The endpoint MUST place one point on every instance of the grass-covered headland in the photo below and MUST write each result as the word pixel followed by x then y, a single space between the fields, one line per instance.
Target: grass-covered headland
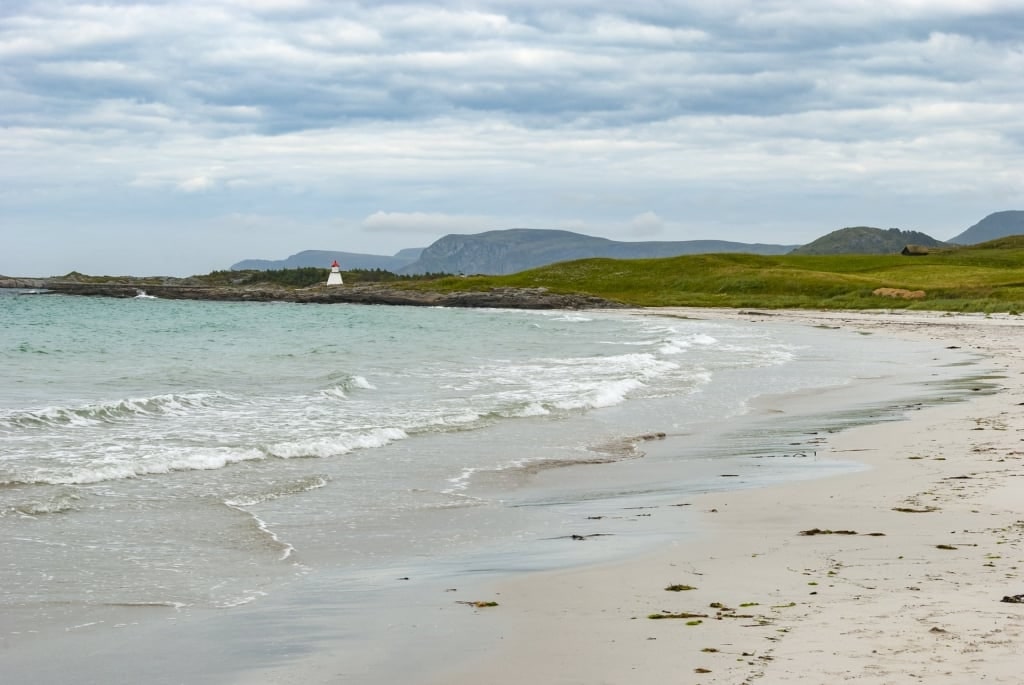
pixel 984 278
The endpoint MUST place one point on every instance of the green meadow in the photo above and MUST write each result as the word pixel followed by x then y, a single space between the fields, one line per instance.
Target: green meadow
pixel 984 278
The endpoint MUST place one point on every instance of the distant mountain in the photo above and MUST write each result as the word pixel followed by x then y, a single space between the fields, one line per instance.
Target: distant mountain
pixel 518 249
pixel 324 258
pixel 410 253
pixel 997 225
pixel 866 240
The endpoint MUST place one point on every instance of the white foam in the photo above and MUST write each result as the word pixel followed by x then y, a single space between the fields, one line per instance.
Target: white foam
pixel 303 485
pixel 59 504
pixel 336 445
pixel 531 409
pixel 352 382
pixel 335 392
pixel 286 548
pixel 114 468
pixel 461 481
pixel 241 601
pixel 113 411
pixel 607 395
pixel 670 347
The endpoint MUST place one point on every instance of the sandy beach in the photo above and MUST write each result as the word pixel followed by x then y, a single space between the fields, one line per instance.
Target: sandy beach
pixel 893 574
pixel 800 550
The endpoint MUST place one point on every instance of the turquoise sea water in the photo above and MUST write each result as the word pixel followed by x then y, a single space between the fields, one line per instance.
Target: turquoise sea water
pixel 202 456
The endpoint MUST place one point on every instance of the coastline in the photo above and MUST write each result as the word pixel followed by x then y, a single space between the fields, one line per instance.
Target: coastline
pixel 587 623
pixel 919 603
pixel 359 293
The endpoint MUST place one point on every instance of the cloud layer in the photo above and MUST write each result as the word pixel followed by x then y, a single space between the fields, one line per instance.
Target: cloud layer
pixel 366 125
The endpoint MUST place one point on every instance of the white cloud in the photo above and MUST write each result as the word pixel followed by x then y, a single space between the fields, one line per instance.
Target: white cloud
pixel 646 225
pixel 487 114
pixel 196 184
pixel 614 29
pixel 424 222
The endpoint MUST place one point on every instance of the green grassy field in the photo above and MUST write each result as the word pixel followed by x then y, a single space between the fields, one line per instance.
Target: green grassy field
pixel 985 278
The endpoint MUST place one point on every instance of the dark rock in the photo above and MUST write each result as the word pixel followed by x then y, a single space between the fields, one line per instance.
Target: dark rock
pixel 371 293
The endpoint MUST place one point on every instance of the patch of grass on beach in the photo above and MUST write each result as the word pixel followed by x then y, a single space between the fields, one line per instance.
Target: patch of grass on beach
pixel 679 588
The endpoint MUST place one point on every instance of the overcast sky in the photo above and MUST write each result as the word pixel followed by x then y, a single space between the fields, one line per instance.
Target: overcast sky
pixel 180 137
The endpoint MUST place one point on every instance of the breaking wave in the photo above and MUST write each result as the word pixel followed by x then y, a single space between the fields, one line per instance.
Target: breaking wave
pixel 111 412
pixel 333 446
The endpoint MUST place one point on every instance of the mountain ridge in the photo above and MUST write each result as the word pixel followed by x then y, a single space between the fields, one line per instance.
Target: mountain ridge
pixel 993 226
pixel 866 240
pixel 511 250
pixel 518 249
pixel 324 258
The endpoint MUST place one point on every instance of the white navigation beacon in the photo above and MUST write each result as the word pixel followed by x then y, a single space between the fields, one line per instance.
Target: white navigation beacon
pixel 335 277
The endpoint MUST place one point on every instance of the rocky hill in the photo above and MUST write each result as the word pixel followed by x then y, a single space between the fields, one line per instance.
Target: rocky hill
pixel 518 249
pixel 997 225
pixel 324 258
pixel 866 240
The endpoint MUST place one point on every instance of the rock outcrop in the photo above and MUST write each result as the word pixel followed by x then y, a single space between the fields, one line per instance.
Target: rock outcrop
pixel 27 283
pixel 507 298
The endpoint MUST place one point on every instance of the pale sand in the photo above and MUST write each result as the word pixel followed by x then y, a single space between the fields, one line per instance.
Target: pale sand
pixel 829 608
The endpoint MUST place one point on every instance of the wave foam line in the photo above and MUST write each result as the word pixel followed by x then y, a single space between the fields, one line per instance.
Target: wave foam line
pixel 248 599
pixel 608 395
pixel 58 504
pixel 110 412
pixel 202 460
pixel 340 390
pixel 294 488
pixel 336 445
pixel 198 461
pixel 461 481
pixel 261 525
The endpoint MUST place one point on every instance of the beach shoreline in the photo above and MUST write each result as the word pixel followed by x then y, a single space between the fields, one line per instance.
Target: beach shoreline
pixel 900 577
pixel 788 463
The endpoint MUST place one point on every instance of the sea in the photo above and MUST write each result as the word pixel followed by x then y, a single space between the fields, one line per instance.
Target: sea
pixel 269 477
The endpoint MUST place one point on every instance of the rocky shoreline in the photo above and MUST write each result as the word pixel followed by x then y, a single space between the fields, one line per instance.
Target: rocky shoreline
pixel 375 293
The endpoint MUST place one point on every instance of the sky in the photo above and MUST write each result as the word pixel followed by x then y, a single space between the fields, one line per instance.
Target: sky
pixel 176 138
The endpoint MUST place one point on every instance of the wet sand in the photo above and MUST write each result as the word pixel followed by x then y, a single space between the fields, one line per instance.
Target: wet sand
pixel 899 578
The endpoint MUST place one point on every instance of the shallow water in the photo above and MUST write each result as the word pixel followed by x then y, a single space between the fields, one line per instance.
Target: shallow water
pixel 198 457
